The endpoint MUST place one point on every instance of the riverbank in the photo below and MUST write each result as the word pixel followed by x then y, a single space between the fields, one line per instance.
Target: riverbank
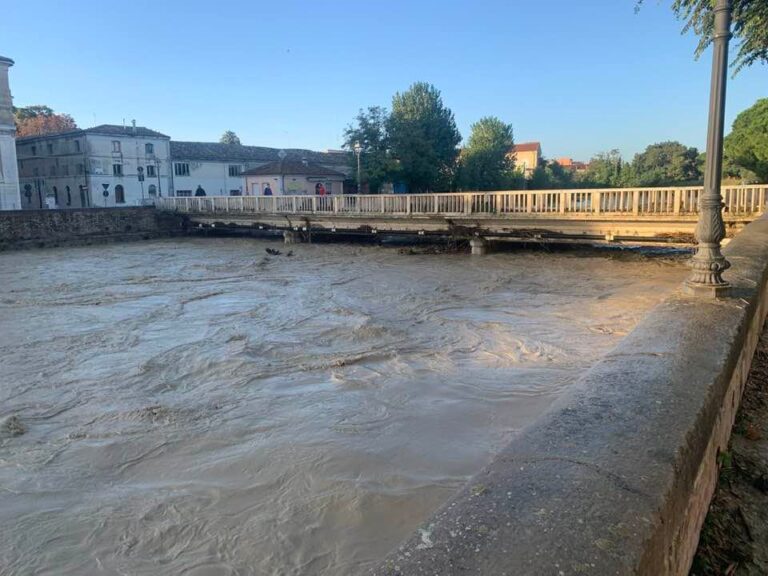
pixel 20 229
pixel 734 538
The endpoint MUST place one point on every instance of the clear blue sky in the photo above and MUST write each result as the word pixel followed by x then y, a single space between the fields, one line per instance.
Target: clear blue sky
pixel 580 77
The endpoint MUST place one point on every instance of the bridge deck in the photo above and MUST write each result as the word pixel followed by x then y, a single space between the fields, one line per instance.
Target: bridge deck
pixel 639 214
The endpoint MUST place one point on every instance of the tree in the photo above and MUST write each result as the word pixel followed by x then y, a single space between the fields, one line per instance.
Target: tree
pixel 605 170
pixel 549 175
pixel 747 144
pixel 666 164
pixel 750 27
pixel 370 130
pixel 423 138
pixel 485 163
pixel 39 120
pixel 230 137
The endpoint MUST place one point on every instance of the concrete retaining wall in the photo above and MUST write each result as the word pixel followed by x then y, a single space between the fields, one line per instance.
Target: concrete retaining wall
pixel 617 477
pixel 39 228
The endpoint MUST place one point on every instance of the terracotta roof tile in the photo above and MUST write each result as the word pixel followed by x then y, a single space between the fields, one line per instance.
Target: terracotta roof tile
pixel 290 167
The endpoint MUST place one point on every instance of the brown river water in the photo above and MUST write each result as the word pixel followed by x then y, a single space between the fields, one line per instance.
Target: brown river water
pixel 197 407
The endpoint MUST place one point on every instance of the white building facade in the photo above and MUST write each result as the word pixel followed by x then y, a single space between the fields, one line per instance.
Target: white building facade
pixel 104 166
pixel 217 169
pixel 10 198
pixel 294 178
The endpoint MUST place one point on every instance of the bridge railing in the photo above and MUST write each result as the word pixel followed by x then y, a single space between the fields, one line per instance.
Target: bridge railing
pixel 737 200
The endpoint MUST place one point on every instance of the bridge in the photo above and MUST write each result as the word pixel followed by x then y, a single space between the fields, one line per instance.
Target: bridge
pixel 632 215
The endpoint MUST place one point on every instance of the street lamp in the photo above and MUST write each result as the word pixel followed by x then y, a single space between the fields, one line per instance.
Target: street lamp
pixel 709 264
pixel 358 151
pixel 140 171
pixel 281 154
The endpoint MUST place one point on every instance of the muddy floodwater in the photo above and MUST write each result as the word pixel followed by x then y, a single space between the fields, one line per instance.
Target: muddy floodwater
pixel 198 407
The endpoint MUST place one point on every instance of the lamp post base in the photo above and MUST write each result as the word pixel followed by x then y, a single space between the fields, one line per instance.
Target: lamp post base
pixel 711 291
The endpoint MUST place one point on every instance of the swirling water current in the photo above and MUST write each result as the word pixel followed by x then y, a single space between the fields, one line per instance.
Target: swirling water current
pixel 197 407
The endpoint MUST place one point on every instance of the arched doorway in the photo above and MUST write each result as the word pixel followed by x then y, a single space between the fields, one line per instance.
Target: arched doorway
pixel 119 194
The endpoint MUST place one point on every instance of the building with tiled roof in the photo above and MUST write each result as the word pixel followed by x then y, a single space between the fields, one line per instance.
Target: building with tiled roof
pixel 102 130
pixel 527 156
pixel 107 165
pixel 219 168
pixel 217 152
pixel 70 169
pixel 571 164
pixel 294 177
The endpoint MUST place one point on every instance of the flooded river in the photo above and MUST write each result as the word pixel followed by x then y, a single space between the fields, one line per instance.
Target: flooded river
pixel 197 407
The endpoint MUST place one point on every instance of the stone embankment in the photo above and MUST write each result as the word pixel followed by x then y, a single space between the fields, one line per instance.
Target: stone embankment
pixel 51 228
pixel 616 479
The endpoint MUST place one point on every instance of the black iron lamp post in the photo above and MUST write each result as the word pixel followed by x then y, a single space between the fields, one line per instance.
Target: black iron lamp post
pixel 358 151
pixel 709 264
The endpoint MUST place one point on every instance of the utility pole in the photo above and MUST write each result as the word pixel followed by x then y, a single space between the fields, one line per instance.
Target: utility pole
pixel 709 264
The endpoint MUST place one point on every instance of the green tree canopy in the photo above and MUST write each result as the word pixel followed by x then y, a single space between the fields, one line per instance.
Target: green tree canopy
pixel 229 137
pixel 605 170
pixel 485 162
pixel 423 138
pixel 747 144
pixel 750 27
pixel 370 130
pixel 666 164
pixel 549 175
pixel 27 112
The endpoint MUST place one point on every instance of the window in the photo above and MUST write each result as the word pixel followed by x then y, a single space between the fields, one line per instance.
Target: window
pixel 151 171
pixel 235 193
pixel 50 147
pixel 55 196
pixel 34 150
pixel 69 196
pixel 183 193
pixel 234 170
pixel 83 197
pixel 77 145
pixel 117 169
pixel 65 170
pixel 115 145
pixel 181 169
pixel 119 194
pixel 152 190
pixel 149 148
pixel 52 171
pixel 36 172
pixel 81 168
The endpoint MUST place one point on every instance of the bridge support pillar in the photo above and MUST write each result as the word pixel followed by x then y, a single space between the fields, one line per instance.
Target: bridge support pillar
pixel 479 246
pixel 290 237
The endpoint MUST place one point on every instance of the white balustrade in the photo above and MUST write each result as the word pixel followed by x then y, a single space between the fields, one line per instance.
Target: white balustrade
pixel 670 201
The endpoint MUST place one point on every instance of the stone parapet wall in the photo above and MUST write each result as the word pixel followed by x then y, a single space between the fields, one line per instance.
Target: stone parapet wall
pixel 42 228
pixel 617 477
